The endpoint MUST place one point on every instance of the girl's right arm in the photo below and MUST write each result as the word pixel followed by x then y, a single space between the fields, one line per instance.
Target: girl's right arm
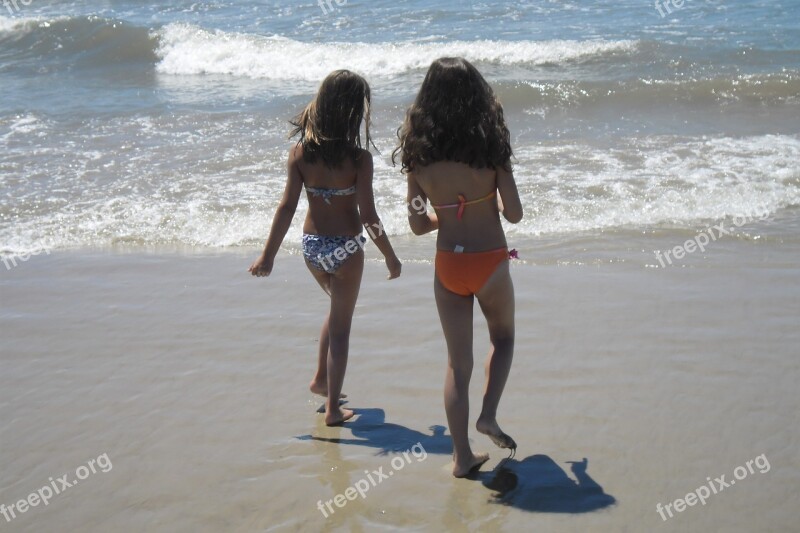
pixel 369 216
pixel 419 219
pixel 283 216
pixel 508 198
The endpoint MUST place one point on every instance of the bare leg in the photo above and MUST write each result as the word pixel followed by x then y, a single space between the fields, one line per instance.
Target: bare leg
pixel 496 299
pixel 345 284
pixel 319 385
pixel 455 314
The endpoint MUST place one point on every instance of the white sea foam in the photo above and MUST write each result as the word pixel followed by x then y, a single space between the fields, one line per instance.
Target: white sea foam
pixel 21 125
pixel 656 181
pixel 188 49
pixel 18 24
pixel 566 188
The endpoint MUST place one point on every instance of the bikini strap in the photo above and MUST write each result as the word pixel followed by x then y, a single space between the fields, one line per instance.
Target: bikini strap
pixel 484 198
pixel 462 203
pixel 327 194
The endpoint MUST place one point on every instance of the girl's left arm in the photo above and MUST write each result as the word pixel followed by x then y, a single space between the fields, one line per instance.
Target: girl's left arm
pixel 283 216
pixel 508 201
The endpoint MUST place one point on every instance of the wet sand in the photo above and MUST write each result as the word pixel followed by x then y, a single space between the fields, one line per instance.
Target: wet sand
pixel 192 377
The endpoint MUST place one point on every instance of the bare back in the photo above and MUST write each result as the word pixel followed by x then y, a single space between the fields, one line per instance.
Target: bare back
pixel 340 216
pixel 479 228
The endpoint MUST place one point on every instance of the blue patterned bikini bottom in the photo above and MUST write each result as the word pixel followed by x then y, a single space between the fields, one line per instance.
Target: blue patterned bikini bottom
pixel 329 252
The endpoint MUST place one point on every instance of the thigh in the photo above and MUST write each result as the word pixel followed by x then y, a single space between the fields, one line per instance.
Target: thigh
pixel 496 299
pixel 321 277
pixel 455 314
pixel 345 284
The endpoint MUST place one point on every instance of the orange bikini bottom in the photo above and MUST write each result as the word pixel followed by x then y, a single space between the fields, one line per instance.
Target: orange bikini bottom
pixel 466 273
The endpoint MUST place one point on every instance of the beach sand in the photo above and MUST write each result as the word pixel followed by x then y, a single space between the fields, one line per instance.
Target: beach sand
pixel 192 377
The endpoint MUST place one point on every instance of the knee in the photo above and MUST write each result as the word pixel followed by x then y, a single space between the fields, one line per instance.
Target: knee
pixel 461 372
pixel 339 329
pixel 503 341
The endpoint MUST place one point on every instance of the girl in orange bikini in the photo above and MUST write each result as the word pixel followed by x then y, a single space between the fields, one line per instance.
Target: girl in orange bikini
pixel 454 145
pixel 337 175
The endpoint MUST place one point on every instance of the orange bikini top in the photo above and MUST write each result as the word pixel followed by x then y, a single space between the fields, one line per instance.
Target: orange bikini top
pixel 462 203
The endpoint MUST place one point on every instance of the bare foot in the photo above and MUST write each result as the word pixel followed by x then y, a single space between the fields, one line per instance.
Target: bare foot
pixel 338 417
pixel 321 389
pixel 463 469
pixel 321 409
pixel 493 431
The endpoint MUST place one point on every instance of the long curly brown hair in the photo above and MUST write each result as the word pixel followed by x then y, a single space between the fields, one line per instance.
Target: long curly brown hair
pixel 456 117
pixel 330 126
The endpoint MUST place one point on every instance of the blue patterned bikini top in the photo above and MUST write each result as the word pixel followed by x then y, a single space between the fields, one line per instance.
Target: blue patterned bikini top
pixel 327 194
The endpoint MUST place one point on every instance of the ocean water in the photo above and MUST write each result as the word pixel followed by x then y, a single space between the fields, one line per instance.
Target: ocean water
pixel 124 124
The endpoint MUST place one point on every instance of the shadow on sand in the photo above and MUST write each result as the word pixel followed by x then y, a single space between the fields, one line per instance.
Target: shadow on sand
pixel 370 429
pixel 538 484
pixel 535 484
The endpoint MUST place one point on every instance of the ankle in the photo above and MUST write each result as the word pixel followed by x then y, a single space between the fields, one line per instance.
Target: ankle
pixel 487 418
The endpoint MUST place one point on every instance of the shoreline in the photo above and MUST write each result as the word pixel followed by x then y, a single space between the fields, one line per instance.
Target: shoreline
pixel 775 235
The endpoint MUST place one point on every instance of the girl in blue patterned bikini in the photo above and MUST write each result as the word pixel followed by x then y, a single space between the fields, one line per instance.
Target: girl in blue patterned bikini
pixel 337 174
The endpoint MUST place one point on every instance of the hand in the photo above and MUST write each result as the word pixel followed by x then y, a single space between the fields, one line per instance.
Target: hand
pixel 579 467
pixel 395 266
pixel 261 267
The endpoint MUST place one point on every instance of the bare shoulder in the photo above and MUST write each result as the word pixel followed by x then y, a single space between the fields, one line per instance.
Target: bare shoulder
pixel 364 164
pixel 415 188
pixel 295 154
pixel 365 159
pixel 505 171
pixel 294 165
pixel 504 177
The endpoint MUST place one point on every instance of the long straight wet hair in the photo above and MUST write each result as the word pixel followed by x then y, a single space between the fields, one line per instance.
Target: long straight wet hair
pixel 455 117
pixel 330 126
